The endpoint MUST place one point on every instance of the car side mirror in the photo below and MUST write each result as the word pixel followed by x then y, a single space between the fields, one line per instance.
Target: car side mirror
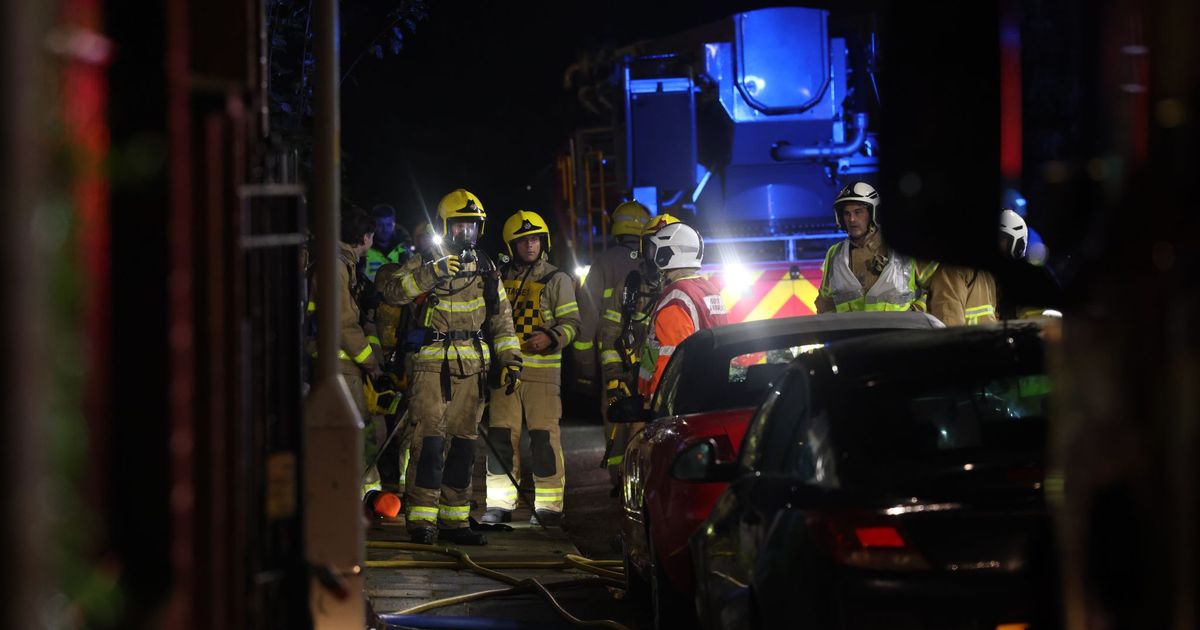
pixel 698 464
pixel 629 410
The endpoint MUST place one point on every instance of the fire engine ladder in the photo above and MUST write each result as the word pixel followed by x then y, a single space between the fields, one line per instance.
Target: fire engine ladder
pixel 588 179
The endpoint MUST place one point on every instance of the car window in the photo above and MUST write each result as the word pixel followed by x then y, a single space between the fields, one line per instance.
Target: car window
pixel 756 443
pixel 908 429
pixel 668 386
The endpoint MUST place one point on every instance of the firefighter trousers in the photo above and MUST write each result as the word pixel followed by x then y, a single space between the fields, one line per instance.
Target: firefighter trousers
pixel 442 454
pixel 540 406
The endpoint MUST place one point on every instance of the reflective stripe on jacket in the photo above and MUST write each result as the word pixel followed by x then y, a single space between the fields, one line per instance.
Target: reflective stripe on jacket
pixel 895 288
pixel 612 325
pixel 452 305
pixel 961 296
pixel 688 304
pixel 542 299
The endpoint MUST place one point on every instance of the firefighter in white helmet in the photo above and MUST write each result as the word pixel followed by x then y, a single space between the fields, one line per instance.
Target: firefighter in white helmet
pixel 546 320
pixel 688 302
pixel 462 307
pixel 625 318
pixel 862 273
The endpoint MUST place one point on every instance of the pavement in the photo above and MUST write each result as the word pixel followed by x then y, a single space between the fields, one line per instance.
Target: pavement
pixel 590 527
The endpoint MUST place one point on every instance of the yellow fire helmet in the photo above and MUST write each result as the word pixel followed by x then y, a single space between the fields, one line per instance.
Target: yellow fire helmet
pixel 525 223
pixel 655 224
pixel 630 219
pixel 461 204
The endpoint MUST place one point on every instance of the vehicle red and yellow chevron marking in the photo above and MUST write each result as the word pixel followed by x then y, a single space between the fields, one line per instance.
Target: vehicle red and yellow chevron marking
pixel 767 291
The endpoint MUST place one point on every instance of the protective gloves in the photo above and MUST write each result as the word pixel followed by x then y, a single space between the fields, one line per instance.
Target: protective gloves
pixel 446 267
pixel 512 379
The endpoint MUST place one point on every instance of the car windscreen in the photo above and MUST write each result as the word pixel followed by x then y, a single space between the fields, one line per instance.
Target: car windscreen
pixel 737 376
pixel 891 432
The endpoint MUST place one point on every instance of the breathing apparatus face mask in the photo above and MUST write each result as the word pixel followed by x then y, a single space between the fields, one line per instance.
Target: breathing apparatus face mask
pixel 463 235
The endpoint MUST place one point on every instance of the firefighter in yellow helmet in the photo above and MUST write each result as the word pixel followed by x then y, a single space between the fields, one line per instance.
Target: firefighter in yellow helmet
pixel 462 308
pixel 546 320
pixel 604 278
pixel 625 317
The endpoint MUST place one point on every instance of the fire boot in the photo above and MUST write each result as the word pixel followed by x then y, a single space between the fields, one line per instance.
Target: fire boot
pixel 497 515
pixel 423 535
pixel 462 536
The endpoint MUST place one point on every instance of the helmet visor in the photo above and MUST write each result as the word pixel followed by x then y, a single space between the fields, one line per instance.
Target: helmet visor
pixel 463 233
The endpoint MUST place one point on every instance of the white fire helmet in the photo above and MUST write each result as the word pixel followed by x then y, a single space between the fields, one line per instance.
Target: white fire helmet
pixel 1013 234
pixel 675 246
pixel 860 192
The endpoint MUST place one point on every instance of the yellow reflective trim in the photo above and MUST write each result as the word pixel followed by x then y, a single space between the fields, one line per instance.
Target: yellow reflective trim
pixel 312 307
pixel 421 513
pixel 615 460
pixel 548 361
pixel 570 307
pixel 451 352
pixel 373 339
pixel 408 284
pixel 608 292
pixel 362 356
pixel 608 357
pixel 979 311
pixel 612 316
pixel 583 345
pixel 507 342
pixel 460 307
pixel 927 273
pixel 455 509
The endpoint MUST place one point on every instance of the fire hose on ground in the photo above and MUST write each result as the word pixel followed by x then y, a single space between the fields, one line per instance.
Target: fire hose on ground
pixel 412 617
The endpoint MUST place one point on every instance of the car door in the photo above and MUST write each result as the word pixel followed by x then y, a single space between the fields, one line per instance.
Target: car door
pixel 745 513
pixel 636 466
pixel 739 523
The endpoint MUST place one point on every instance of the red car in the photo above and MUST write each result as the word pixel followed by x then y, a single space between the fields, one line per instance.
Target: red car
pixel 709 390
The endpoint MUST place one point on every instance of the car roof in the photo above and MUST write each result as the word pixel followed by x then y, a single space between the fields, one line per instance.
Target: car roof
pixel 923 354
pixel 737 334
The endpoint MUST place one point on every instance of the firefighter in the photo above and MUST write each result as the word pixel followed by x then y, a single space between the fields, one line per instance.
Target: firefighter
pixel 688 302
pixel 961 296
pixel 862 273
pixel 625 316
pixel 546 320
pixel 392 246
pixel 358 358
pixel 463 307
pixel 603 283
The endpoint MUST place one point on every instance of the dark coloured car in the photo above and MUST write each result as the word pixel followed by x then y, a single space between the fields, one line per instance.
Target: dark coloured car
pixel 709 390
pixel 895 481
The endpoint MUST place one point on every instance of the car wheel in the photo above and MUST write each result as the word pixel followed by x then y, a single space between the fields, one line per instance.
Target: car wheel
pixel 668 607
pixel 636 587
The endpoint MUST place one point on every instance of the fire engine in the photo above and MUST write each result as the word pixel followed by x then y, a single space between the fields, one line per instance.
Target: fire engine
pixel 746 128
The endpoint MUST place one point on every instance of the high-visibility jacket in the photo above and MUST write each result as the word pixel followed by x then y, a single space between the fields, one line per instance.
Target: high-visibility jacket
pixel 689 303
pixel 452 316
pixel 379 255
pixel 601 285
pixel 633 322
pixel 355 349
pixel 961 296
pixel 867 277
pixel 542 299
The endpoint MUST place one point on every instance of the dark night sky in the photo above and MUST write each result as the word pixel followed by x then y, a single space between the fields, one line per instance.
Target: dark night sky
pixel 476 97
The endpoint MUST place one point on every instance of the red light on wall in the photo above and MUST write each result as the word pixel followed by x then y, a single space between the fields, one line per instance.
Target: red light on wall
pixel 878 537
